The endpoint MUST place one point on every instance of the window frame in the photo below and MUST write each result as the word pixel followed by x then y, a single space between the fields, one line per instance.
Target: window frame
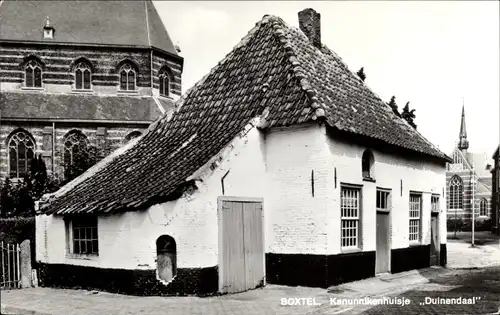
pixel 388 200
pixel 33 64
pixel 86 67
pixel 85 226
pixel 27 138
pixel 69 150
pixel 357 246
pixel 368 161
pixel 164 76
pixel 415 218
pixel 435 203
pixel 483 205
pixel 127 68
pixel 456 188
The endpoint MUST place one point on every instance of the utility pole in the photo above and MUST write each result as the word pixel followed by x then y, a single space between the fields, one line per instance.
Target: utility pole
pixel 473 182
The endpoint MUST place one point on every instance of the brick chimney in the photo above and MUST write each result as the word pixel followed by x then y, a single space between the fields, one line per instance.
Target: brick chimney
pixel 310 24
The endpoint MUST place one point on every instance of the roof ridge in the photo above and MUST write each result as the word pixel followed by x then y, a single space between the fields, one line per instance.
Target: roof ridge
pixel 298 71
pixel 161 123
pixel 147 22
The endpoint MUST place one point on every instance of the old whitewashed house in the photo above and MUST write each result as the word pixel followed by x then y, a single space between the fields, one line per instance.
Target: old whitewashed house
pixel 279 166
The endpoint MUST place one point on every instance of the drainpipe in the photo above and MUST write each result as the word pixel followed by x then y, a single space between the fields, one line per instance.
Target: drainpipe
pixel 53 148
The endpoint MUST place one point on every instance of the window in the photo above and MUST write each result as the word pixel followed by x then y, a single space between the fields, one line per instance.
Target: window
pixel 132 135
pixel 21 153
pixel 382 200
pixel 483 207
pixel 75 147
pixel 127 78
pixel 367 164
pixel 350 213
pixel 82 76
pixel 85 240
pixel 435 203
pixel 166 257
pixel 456 193
pixel 164 83
pixel 415 215
pixel 33 74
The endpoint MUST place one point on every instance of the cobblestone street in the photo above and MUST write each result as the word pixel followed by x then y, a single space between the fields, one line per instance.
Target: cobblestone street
pixel 415 286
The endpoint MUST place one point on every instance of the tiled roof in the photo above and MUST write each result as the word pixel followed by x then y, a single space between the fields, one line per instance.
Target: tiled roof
pixel 273 70
pixel 77 106
pixel 126 23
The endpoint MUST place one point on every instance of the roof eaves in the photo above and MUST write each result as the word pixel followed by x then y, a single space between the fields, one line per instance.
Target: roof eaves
pixel 47 199
pixel 45 43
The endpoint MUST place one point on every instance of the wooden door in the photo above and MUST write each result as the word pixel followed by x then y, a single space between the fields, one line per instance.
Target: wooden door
pixel 435 244
pixel 382 260
pixel 241 244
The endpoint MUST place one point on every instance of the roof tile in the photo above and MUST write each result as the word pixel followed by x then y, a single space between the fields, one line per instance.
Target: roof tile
pixel 293 83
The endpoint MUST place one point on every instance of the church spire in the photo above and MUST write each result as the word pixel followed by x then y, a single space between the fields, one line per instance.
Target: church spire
pixel 463 143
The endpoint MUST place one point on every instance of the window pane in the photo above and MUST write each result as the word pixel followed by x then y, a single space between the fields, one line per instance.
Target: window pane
pixel 29 77
pixel 86 79
pixel 38 77
pixel 95 248
pixel 13 162
pixel 76 233
pixel 76 247
pixel 78 79
pixel 162 86
pixel 131 81
pixel 123 80
pixel 94 233
pixel 167 86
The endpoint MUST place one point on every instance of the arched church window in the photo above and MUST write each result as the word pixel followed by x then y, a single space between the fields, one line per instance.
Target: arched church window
pixel 33 74
pixel 21 151
pixel 127 77
pixel 456 193
pixel 164 83
pixel 75 148
pixel 82 76
pixel 483 207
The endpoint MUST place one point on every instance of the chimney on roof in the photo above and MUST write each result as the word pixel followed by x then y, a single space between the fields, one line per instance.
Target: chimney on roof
pixel 48 30
pixel 310 24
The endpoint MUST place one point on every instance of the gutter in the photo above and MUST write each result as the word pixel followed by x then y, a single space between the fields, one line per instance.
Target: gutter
pixel 32 42
pixel 64 120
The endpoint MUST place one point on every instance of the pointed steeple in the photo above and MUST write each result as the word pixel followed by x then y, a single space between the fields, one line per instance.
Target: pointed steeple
pixel 463 143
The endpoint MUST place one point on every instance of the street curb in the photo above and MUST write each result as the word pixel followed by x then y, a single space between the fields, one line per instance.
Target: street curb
pixel 8 310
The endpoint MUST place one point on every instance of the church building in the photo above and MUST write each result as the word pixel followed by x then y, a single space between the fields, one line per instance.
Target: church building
pixel 468 180
pixel 80 75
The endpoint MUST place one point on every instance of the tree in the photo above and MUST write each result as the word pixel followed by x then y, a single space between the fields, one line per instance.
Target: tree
pixel 361 74
pixel 37 183
pixel 394 106
pixel 409 115
pixel 83 159
pixel 6 200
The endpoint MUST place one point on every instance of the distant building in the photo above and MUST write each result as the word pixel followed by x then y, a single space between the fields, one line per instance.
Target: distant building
pixel 76 75
pixel 495 196
pixel 468 176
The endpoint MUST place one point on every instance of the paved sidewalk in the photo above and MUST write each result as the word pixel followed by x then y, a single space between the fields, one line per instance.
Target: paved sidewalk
pixel 48 301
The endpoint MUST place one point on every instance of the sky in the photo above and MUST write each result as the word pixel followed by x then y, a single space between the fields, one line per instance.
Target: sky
pixel 435 54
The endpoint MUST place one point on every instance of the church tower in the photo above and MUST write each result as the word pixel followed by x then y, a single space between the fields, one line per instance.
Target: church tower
pixel 463 143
